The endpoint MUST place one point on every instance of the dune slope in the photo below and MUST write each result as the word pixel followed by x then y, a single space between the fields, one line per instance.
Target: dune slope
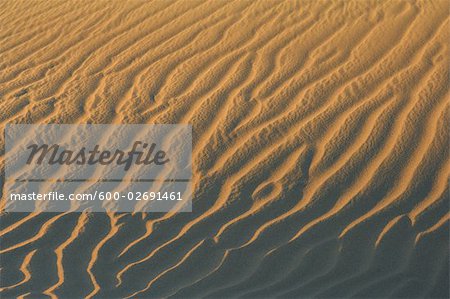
pixel 320 146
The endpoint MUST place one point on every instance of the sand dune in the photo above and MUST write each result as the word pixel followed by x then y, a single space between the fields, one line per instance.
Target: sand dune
pixel 320 147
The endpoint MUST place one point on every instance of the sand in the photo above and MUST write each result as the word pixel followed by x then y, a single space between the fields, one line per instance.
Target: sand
pixel 320 146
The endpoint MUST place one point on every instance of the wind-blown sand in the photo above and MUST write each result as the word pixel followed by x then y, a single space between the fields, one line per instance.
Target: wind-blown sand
pixel 320 144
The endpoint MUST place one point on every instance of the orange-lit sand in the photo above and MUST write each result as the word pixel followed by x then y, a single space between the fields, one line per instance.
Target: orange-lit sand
pixel 321 146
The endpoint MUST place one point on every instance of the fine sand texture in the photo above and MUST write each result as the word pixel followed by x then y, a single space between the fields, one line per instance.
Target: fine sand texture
pixel 320 146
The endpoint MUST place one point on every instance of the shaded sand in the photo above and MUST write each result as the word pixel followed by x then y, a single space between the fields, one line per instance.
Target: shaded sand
pixel 320 146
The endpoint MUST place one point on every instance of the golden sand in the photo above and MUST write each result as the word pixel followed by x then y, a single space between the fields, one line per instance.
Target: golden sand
pixel 320 146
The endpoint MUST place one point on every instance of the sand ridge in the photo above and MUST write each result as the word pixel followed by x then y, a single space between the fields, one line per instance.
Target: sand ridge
pixel 320 147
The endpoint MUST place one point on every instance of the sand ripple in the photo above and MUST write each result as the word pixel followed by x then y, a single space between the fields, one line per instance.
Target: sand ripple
pixel 320 146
